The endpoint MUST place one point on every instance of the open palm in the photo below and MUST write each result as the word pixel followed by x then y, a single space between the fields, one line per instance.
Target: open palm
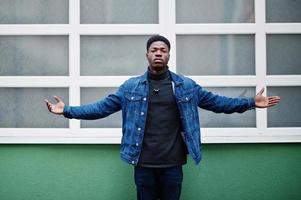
pixel 57 108
pixel 265 102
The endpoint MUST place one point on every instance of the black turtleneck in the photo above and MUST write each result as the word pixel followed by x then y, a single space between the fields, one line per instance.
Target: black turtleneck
pixel 163 145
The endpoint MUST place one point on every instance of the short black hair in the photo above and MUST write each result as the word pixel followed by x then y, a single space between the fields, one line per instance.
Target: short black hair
pixel 157 38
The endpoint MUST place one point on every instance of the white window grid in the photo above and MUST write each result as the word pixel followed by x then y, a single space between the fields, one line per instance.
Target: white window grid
pixel 167 26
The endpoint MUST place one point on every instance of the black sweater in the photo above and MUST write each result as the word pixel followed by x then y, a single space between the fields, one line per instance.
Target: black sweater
pixel 163 145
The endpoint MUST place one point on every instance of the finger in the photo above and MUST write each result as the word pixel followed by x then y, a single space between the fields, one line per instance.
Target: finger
pixel 261 91
pixel 274 100
pixel 57 98
pixel 47 103
pixel 274 97
pixel 49 107
pixel 272 104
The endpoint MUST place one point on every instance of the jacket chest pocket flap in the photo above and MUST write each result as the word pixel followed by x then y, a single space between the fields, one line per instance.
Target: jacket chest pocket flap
pixel 186 98
pixel 133 102
pixel 133 97
pixel 186 104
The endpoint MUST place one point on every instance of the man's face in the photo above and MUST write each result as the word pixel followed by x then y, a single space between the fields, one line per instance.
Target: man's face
pixel 157 55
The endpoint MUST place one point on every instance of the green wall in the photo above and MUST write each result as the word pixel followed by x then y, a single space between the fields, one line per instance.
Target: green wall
pixel 88 172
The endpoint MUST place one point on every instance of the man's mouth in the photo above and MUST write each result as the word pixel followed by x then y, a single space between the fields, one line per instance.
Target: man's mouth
pixel 158 60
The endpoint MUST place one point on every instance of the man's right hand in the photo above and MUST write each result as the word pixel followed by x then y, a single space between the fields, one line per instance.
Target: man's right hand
pixel 57 108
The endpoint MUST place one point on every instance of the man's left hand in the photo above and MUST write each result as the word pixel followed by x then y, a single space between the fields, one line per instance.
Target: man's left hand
pixel 265 102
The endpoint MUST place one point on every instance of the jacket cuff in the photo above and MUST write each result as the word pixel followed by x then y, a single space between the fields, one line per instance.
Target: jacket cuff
pixel 251 102
pixel 66 112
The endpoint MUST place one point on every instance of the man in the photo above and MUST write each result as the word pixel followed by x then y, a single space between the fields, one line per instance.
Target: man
pixel 160 121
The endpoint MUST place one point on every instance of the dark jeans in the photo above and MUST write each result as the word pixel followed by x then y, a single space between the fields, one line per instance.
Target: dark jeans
pixel 158 183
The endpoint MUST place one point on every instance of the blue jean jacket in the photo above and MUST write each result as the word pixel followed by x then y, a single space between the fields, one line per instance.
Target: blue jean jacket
pixel 132 99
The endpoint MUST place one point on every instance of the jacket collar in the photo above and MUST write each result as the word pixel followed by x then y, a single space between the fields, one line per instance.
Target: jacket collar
pixel 143 78
pixel 176 79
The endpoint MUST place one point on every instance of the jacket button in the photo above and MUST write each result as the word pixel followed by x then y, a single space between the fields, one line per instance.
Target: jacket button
pixel 144 99
pixel 139 129
pixel 133 162
pixel 137 144
pixel 142 113
pixel 132 98
pixel 186 98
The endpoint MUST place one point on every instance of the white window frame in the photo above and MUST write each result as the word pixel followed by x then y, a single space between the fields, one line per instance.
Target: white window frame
pixel 167 26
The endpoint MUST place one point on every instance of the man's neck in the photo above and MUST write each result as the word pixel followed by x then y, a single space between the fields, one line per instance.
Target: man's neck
pixel 158 76
pixel 158 72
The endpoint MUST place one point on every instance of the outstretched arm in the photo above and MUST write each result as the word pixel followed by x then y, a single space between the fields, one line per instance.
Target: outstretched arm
pixel 96 110
pixel 265 102
pixel 223 104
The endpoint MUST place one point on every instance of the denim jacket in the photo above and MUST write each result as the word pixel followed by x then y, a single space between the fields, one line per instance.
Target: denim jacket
pixel 132 98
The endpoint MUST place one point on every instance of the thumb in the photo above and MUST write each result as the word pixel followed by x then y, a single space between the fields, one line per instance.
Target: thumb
pixel 261 91
pixel 58 99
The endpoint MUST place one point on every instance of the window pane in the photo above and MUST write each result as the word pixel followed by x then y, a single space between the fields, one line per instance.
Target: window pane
pixel 34 12
pixel 283 11
pixel 246 119
pixel 283 54
pixel 215 11
pixel 34 55
pixel 288 112
pixel 216 54
pixel 113 55
pixel 91 95
pixel 25 108
pixel 118 11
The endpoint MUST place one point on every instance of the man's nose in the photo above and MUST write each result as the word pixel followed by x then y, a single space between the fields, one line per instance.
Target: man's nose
pixel 158 54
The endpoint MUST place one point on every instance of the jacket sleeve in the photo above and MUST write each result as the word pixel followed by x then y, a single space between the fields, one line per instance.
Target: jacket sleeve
pixel 221 104
pixel 100 109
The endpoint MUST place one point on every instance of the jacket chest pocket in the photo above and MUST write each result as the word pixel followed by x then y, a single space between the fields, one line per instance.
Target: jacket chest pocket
pixel 187 106
pixel 133 104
